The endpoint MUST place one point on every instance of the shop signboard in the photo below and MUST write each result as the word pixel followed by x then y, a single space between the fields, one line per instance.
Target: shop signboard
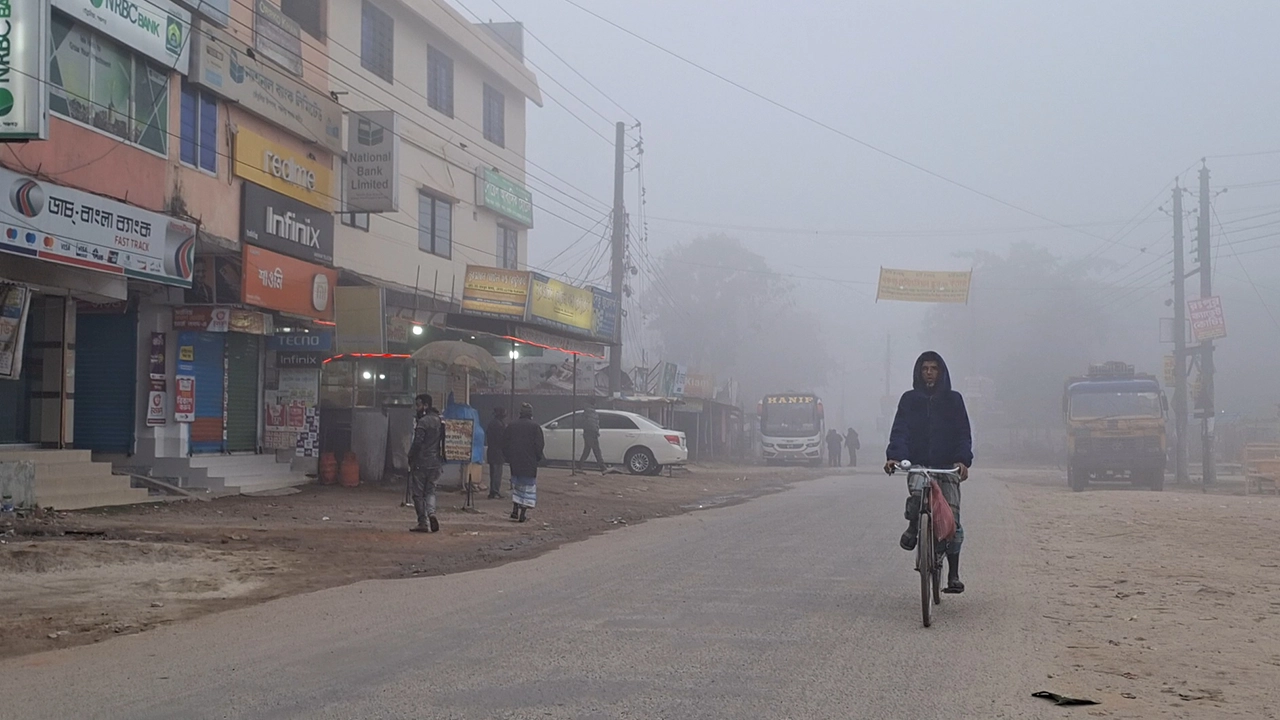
pixel 371 175
pixel 156 363
pixel 495 292
pixel 215 279
pixel 504 196
pixel 1207 320
pixel 73 227
pixel 158 29
pixel 321 341
pixel 604 323
pixel 697 385
pixel 361 315
pixel 458 440
pixel 288 171
pixel 24 69
pixel 157 397
pixel 286 407
pixel 184 402
pixel 560 305
pixel 299 359
pixel 277 37
pixel 218 319
pixel 227 67
pixel 217 12
pixel 279 282
pixel 284 225
pixel 15 302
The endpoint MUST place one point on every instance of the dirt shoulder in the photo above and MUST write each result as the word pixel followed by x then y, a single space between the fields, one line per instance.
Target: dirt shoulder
pixel 80 577
pixel 1165 604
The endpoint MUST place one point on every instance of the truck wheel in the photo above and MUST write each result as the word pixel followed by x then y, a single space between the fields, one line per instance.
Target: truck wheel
pixel 1078 479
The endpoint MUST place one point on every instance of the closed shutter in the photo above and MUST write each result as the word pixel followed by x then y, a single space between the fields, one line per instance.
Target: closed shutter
pixel 242 392
pixel 207 366
pixel 106 382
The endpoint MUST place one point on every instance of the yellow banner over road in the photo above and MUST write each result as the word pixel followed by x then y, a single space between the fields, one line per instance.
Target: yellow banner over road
pixel 924 286
pixel 495 292
pixel 561 305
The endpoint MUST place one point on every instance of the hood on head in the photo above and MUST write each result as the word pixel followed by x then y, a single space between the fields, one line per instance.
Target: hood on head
pixel 944 378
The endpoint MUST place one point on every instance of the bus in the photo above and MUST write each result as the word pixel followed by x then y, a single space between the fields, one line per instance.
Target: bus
pixel 791 428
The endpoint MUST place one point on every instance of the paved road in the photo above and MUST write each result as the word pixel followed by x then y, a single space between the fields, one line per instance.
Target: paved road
pixel 798 605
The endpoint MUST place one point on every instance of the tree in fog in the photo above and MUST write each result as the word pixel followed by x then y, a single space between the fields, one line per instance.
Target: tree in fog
pixel 724 311
pixel 1032 321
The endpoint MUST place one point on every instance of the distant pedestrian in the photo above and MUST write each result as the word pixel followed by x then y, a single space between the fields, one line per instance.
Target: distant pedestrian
pixel 523 451
pixel 591 435
pixel 833 447
pixel 426 456
pixel 493 439
pixel 852 442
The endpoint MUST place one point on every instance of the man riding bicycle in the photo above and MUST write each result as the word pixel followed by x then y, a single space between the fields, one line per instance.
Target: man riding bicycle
pixel 931 429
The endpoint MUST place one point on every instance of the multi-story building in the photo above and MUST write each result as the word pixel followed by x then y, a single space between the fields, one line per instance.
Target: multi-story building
pixel 171 261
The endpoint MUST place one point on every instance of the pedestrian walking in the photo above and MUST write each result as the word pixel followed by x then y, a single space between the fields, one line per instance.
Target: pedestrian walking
pixel 833 447
pixel 852 442
pixel 523 451
pixel 426 456
pixel 591 435
pixel 494 434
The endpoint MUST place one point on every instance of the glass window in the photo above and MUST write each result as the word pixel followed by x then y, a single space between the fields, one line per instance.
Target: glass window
pixel 439 81
pixel 377 42
pixel 508 248
pixel 435 225
pixel 95 81
pixel 357 220
pixel 611 421
pixel 198 130
pixel 1099 405
pixel 495 121
pixel 309 14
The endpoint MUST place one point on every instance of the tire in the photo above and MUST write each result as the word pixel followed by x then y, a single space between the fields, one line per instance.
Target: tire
pixel 925 565
pixel 640 461
pixel 1078 479
pixel 656 471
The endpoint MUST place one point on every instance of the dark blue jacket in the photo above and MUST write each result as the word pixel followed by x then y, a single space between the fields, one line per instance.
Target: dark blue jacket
pixel 932 426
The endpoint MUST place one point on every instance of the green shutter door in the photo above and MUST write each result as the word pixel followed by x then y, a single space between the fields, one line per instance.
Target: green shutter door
pixel 106 381
pixel 242 392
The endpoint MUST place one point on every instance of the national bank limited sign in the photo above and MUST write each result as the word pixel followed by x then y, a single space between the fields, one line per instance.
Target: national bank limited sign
pixel 280 223
pixel 24 101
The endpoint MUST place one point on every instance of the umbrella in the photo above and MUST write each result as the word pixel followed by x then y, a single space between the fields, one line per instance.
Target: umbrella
pixel 451 354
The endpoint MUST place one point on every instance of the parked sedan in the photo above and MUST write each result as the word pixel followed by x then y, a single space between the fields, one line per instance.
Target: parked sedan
pixel 627 439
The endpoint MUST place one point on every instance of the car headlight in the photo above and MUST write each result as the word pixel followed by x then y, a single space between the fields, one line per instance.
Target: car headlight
pixel 813 444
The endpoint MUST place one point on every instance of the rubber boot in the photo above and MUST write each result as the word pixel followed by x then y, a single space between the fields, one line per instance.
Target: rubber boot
pixel 515 511
pixel 954 586
pixel 912 514
pixel 523 510
pixel 420 507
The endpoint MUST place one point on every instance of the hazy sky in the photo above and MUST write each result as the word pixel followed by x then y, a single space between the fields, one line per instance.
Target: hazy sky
pixel 1080 112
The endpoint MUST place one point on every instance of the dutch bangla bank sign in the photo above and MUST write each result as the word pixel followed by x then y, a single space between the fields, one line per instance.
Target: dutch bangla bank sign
pixel 24 34
pixel 158 29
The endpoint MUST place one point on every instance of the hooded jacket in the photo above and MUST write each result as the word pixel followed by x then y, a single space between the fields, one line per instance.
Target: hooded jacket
pixel 931 427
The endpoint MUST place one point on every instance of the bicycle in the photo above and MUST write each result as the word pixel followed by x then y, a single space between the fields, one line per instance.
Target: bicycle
pixel 928 559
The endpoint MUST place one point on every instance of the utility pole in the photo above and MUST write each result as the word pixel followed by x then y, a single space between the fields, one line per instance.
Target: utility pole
pixel 1179 343
pixel 1207 412
pixel 619 250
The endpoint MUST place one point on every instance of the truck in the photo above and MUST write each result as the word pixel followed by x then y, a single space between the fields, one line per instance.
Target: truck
pixel 791 428
pixel 1116 427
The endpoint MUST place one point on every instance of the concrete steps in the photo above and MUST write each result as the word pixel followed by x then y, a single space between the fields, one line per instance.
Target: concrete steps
pixel 229 474
pixel 70 480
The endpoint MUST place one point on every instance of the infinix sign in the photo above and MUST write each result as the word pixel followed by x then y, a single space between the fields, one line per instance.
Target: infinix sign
pixel 23 69
pixel 156 28
pixel 289 227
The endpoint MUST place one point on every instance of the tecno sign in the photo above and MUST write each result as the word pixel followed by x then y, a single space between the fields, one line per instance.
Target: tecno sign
pixel 280 223
pixel 303 175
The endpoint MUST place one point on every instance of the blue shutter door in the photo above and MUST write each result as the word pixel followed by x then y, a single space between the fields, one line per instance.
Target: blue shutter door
pixel 207 430
pixel 106 382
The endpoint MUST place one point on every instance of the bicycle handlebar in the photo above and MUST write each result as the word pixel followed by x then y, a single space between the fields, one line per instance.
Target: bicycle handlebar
pixel 913 470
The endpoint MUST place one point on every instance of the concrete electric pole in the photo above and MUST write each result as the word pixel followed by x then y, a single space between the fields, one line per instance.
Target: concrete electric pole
pixel 1179 342
pixel 1205 407
pixel 619 251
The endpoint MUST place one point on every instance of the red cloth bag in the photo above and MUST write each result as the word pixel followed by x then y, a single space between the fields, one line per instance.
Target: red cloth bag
pixel 944 521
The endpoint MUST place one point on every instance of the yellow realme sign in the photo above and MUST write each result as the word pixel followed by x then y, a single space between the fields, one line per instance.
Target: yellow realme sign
pixel 287 171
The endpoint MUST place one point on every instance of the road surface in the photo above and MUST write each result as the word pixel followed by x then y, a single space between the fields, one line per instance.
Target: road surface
pixel 796 605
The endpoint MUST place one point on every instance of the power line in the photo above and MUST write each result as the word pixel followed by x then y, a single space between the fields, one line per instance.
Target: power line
pixel 1249 277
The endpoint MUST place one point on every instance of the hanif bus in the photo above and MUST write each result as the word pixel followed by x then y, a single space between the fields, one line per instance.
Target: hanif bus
pixel 791 428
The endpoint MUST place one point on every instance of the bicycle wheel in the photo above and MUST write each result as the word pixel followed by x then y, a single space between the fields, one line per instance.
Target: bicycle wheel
pixel 924 565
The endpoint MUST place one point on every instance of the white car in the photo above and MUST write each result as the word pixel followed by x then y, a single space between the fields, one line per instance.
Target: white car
pixel 628 439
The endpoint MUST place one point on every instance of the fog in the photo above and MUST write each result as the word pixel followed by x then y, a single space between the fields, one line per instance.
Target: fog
pixel 958 136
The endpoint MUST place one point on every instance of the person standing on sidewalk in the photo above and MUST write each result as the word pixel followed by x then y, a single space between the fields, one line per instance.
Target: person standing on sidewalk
pixel 523 451
pixel 591 435
pixel 493 440
pixel 852 442
pixel 426 455
pixel 833 447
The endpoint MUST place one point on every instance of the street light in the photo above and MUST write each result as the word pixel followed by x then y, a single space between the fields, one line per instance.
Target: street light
pixel 417 330
pixel 514 354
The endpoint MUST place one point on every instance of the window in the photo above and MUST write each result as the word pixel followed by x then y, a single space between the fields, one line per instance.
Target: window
pixel 377 42
pixel 610 421
pixel 309 14
pixel 495 121
pixel 508 253
pixel 198 133
pixel 94 81
pixel 435 225
pixel 357 220
pixel 439 81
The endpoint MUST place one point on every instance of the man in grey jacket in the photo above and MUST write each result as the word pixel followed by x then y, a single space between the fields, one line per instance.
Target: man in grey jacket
pixel 591 435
